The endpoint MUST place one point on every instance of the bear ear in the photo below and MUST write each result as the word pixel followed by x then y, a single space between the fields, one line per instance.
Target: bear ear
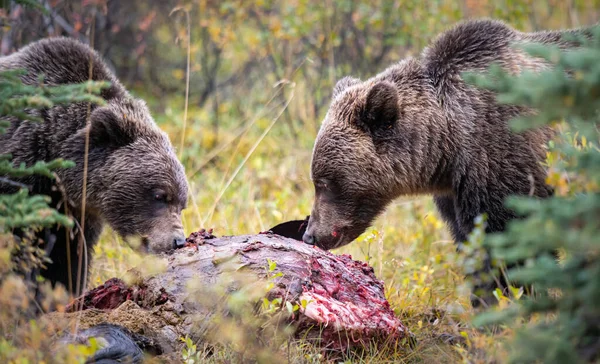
pixel 343 84
pixel 109 129
pixel 381 107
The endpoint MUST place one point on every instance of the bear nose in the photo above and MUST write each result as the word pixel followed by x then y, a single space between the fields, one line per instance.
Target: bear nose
pixel 309 239
pixel 178 243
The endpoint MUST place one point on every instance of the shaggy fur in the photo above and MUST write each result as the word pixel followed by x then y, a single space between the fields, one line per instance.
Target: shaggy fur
pixel 418 128
pixel 135 182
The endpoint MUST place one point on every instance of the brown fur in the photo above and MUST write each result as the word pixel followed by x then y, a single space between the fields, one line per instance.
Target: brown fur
pixel 135 182
pixel 418 128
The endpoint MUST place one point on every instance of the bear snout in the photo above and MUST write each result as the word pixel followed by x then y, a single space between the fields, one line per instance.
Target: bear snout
pixel 164 238
pixel 174 240
pixel 309 238
pixel 314 236
pixel 178 242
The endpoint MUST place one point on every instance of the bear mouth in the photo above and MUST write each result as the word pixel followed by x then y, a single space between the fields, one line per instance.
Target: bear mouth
pixel 332 242
pixel 343 236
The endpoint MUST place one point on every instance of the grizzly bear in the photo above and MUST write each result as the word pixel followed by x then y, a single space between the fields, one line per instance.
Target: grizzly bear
pixel 135 183
pixel 418 128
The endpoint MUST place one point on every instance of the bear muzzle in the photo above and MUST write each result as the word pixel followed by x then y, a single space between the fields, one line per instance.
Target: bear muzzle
pixel 178 242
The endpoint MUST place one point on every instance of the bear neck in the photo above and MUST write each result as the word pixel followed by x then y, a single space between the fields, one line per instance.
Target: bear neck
pixel 423 149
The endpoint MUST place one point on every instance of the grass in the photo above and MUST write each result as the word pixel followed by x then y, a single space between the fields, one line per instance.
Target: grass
pixel 239 192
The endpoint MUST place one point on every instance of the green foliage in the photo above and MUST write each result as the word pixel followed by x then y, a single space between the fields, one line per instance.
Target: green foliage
pixel 17 100
pixel 190 354
pixel 34 4
pixel 564 311
pixel 20 210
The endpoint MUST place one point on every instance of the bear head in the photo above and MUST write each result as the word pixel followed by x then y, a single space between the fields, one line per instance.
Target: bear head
pixel 370 149
pixel 135 182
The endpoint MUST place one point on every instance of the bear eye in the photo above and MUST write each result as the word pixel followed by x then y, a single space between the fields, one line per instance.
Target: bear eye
pixel 160 196
pixel 325 185
pixel 321 185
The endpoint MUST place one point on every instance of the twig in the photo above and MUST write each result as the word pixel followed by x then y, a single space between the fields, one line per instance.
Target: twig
pixel 13 183
pixel 65 200
pixel 187 77
pixel 81 248
pixel 64 24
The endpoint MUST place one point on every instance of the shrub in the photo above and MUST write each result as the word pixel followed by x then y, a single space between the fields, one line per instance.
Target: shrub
pixel 563 317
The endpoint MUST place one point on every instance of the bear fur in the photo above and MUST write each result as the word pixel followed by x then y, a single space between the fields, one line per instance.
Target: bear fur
pixel 418 128
pixel 135 182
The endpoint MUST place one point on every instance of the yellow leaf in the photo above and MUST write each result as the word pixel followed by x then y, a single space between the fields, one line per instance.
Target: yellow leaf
pixel 275 25
pixel 214 32
pixel 178 74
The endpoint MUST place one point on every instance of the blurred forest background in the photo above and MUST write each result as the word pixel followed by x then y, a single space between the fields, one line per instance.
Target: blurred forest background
pixel 245 55
pixel 242 86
